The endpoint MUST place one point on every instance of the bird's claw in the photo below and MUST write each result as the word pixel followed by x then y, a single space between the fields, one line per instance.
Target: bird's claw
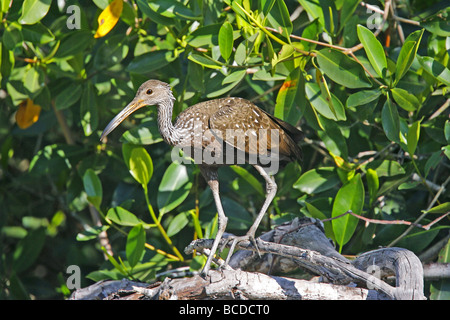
pixel 235 240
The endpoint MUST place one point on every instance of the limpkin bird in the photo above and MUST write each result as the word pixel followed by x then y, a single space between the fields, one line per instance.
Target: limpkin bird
pixel 206 126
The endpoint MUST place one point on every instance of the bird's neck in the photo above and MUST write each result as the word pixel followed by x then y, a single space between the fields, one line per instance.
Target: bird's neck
pixel 167 130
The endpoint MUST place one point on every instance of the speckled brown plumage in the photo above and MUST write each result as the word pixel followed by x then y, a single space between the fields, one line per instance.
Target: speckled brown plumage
pixel 219 128
pixel 250 123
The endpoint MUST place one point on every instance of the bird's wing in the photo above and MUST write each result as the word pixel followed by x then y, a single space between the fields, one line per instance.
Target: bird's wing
pixel 246 127
pixel 294 134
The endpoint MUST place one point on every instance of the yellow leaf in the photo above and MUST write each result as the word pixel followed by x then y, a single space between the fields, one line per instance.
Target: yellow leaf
pixel 341 163
pixel 108 18
pixel 27 114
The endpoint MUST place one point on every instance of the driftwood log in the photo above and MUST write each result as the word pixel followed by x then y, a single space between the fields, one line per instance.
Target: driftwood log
pixel 300 243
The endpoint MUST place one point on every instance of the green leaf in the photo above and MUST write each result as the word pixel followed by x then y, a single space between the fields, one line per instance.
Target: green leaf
pixel 446 150
pixel 279 18
pixel 333 139
pixel 405 99
pixel 141 166
pixel 68 96
pixel 144 6
pixel 363 97
pixel 312 31
pixel 433 162
pixel 145 133
pixel 114 261
pixel 407 54
pixel 238 216
pixel 4 6
pixel 442 208
pixel 88 110
pixel 317 180
pixel 14 232
pixel 91 232
pixel 93 188
pixel 37 34
pixel 413 137
pixel 205 61
pixel 316 213
pixel 52 160
pixel 207 36
pixel 251 180
pixel 150 61
pixel 126 152
pixel 7 61
pixel 12 36
pixel 122 217
pixel 226 40
pixel 240 56
pixel 349 197
pixel 237 6
pixel 34 10
pixel 385 168
pixel 390 121
pixel 435 129
pixel 34 81
pixel 436 69
pixel 234 77
pixel 73 43
pixel 341 69
pixel 440 290
pixel 28 249
pixel 286 95
pixel 320 102
pixel 325 90
pixel 439 23
pixel 419 240
pixel 177 223
pixel 347 12
pixel 374 50
pixel 373 184
pixel 174 187
pixel 447 130
pixel 265 6
pixel 408 185
pixel 172 9
pixel 111 52
pixel 320 9
pixel 135 244
pixel 197 225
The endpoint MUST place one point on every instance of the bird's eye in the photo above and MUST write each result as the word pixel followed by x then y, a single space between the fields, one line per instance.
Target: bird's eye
pixel 149 91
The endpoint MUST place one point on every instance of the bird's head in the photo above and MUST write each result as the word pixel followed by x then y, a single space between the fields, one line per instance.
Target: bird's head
pixel 150 93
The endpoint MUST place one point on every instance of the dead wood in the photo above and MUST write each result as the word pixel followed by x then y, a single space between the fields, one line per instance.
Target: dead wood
pixel 300 243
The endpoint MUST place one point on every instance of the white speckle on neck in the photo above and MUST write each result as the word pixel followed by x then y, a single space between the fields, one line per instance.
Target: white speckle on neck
pixel 166 128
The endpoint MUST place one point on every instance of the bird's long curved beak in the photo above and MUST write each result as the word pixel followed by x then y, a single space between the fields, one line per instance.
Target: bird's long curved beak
pixel 129 109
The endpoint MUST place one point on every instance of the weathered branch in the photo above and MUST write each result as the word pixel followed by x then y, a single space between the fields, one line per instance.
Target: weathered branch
pixel 330 264
pixel 225 284
pixel 402 263
pixel 436 271
pixel 301 242
pixel 238 284
pixel 336 271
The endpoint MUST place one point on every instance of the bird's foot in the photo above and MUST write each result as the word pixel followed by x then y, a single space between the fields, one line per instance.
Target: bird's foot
pixel 212 258
pixel 204 272
pixel 235 240
pixel 207 267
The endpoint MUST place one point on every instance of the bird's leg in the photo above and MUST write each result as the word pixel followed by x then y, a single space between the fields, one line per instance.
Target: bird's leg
pixel 271 190
pixel 211 177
